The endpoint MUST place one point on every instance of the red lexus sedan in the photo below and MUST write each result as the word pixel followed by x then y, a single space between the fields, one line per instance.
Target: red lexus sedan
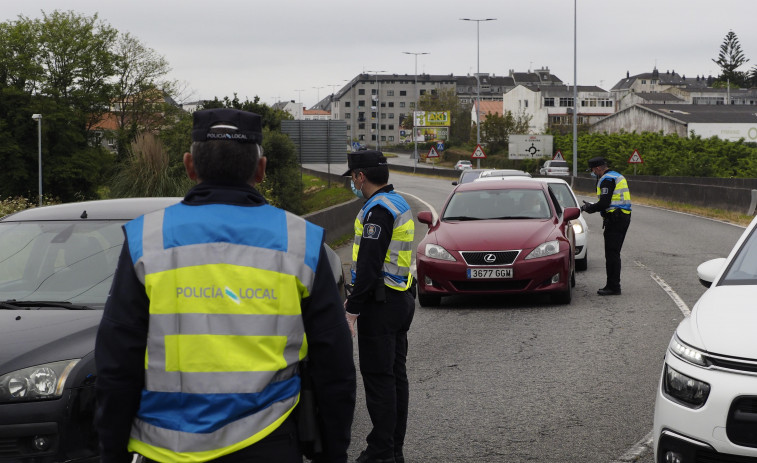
pixel 498 237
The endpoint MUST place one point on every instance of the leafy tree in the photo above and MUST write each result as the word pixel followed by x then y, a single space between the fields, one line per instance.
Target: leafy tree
pixel 496 129
pixel 139 90
pixel 730 59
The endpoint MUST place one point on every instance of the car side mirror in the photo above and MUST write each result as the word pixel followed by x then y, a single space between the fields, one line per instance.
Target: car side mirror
pixel 571 213
pixel 455 182
pixel 426 217
pixel 707 271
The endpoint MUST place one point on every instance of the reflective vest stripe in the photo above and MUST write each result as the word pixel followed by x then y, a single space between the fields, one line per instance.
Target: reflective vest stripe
pixel 621 196
pixel 150 440
pixel 219 296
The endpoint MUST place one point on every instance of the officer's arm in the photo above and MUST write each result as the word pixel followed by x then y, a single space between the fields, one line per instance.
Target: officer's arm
pixel 120 359
pixel 331 365
pixel 370 259
pixel 606 188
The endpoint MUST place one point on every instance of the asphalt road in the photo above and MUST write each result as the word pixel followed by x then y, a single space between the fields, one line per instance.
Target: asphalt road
pixel 517 379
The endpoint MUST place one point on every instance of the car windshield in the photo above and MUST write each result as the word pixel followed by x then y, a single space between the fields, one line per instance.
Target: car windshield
pixel 497 204
pixel 469 176
pixel 59 260
pixel 505 173
pixel 564 195
pixel 743 268
pixel 558 164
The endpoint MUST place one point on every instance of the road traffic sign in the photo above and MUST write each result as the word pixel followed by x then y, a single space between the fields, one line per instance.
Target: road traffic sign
pixel 478 153
pixel 432 153
pixel 440 146
pixel 558 156
pixel 635 158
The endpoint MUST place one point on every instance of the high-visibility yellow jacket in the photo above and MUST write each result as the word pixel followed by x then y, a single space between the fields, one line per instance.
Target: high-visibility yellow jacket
pixel 621 196
pixel 225 325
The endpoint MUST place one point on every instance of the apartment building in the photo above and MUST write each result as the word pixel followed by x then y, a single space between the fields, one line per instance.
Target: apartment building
pixel 553 106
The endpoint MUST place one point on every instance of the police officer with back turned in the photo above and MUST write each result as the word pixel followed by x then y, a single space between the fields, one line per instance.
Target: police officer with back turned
pixel 215 302
pixel 382 302
pixel 615 207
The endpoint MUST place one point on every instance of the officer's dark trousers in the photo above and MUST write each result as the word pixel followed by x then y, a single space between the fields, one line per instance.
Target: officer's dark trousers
pixel 616 225
pixel 279 446
pixel 382 345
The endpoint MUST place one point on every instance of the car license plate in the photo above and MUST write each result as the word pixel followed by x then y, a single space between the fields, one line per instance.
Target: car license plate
pixel 490 273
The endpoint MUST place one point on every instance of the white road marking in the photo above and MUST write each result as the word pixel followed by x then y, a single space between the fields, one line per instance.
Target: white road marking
pixel 433 214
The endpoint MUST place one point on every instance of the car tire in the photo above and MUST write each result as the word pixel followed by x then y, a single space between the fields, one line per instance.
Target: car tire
pixel 564 297
pixel 429 300
pixel 583 264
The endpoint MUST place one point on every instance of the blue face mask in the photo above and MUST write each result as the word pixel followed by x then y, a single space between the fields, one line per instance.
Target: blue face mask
pixel 594 175
pixel 355 191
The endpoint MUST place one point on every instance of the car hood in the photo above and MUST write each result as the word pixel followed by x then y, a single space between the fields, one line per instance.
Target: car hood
pixel 722 322
pixel 34 337
pixel 493 235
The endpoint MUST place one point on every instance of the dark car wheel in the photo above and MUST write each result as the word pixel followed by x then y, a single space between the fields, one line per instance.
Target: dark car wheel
pixel 564 297
pixel 429 300
pixel 583 264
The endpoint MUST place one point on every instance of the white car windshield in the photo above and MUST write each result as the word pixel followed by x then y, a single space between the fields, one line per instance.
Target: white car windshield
pixel 742 270
pixel 497 204
pixel 59 260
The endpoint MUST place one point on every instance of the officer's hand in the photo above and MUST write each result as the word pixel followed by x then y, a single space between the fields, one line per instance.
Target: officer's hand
pixel 351 320
pixel 585 206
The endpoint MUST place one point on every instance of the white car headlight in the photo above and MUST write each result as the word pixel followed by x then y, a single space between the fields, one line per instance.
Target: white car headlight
pixel 545 249
pixel 434 251
pixel 684 389
pixel 36 383
pixel 687 353
pixel 577 227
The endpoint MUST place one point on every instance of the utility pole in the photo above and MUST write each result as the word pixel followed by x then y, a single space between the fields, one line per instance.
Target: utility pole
pixel 478 80
pixel 415 107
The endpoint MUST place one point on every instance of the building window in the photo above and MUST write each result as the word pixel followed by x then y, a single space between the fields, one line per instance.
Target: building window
pixel 383 115
pixel 403 92
pixel 391 126
pixel 566 102
pixel 391 138
pixel 402 104
pixel 373 114
pixel 383 126
pixel 525 103
pixel 361 137
pixel 361 117
pixel 390 93
pixel 374 91
pixel 347 104
pixel 361 91
pixel 391 115
pixel 349 127
pixel 423 91
pixel 361 126
pixel 361 103
pixel 391 104
pixel 373 126
pixel 347 115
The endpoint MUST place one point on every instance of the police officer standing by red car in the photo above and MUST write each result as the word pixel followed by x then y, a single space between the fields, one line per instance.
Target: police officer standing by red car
pixel 382 302
pixel 614 205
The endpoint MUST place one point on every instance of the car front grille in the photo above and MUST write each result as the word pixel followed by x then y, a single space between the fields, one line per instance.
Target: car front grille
pixel 733 363
pixel 490 285
pixel 741 426
pixel 489 257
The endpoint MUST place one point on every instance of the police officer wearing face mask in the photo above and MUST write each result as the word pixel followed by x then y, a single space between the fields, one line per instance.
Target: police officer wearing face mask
pixel 615 207
pixel 382 297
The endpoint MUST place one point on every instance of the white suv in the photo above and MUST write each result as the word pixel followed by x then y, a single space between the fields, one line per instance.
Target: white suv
pixel 706 407
pixel 555 168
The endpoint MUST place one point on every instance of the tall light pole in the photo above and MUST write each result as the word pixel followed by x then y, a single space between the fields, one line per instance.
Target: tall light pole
pixel 38 118
pixel 415 107
pixel 478 80
pixel 575 95
pixel 378 110
pixel 318 94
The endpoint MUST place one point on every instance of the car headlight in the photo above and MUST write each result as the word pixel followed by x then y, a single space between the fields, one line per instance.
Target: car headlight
pixel 577 227
pixel 687 353
pixel 684 389
pixel 545 249
pixel 36 383
pixel 434 251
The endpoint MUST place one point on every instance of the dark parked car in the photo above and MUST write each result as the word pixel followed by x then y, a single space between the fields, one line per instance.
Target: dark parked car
pixel 56 268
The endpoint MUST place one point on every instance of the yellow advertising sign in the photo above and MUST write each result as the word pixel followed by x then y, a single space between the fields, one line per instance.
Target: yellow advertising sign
pixel 432 119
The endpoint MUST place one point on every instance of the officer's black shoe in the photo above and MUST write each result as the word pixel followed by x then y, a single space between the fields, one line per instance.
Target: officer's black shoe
pixel 608 292
pixel 365 458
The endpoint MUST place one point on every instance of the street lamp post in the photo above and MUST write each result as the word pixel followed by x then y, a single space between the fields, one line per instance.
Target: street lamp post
pixel 575 96
pixel 318 95
pixel 415 107
pixel 38 118
pixel 478 81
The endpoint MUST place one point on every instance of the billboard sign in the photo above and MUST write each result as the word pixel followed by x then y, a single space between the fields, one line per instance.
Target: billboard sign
pixel 431 119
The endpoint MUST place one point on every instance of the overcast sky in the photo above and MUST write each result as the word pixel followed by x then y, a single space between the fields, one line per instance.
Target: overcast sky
pixel 283 49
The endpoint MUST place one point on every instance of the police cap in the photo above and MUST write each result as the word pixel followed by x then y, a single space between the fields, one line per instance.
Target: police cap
pixel 239 126
pixel 364 160
pixel 596 162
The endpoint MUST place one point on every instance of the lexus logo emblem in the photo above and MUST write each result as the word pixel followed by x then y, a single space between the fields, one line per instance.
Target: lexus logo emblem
pixel 490 258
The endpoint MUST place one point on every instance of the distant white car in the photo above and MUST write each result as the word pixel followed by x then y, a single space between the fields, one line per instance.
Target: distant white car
pixel 706 407
pixel 553 167
pixel 463 165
